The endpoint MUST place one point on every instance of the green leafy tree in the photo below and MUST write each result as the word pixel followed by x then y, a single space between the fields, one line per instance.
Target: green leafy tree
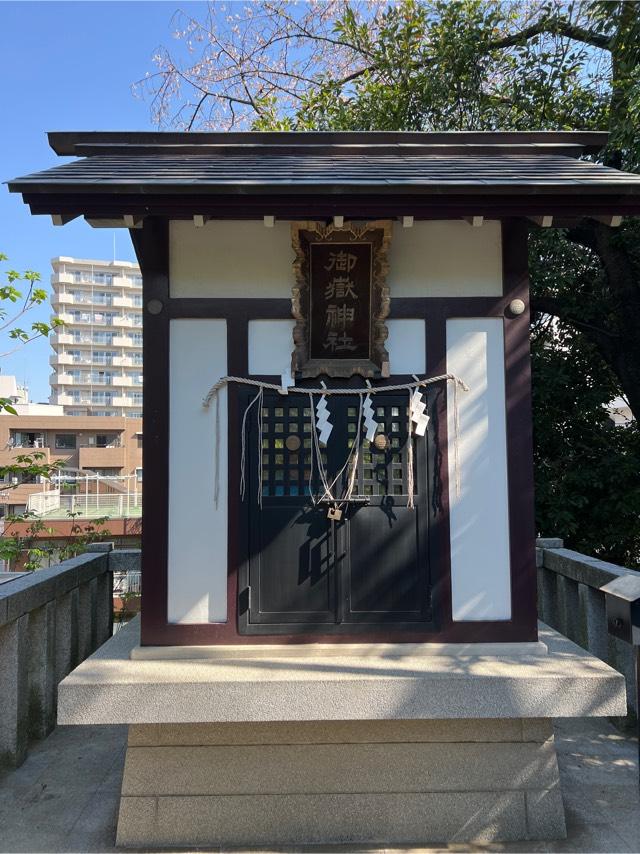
pixel 16 302
pixel 478 65
pixel 20 294
pixel 31 550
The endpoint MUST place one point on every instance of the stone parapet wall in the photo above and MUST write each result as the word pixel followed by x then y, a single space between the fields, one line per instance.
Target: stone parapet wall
pixel 50 621
pixel 570 601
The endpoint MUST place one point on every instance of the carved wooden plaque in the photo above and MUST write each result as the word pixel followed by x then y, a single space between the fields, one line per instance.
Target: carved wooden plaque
pixel 340 299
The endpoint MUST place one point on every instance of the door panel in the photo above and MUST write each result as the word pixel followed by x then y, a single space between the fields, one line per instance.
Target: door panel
pixel 303 570
pixel 292 565
pixel 385 580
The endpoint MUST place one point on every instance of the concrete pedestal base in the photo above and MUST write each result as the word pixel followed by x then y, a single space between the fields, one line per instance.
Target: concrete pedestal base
pixel 340 782
pixel 377 746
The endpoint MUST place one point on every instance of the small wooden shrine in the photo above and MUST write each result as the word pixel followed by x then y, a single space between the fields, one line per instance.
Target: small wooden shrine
pixel 338 481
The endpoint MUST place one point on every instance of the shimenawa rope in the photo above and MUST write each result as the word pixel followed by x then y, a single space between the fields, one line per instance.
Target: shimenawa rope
pixel 352 457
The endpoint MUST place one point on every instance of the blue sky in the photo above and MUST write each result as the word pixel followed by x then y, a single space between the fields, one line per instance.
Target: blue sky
pixel 66 66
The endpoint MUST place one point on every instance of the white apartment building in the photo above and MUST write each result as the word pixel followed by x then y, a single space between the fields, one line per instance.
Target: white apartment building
pixel 97 359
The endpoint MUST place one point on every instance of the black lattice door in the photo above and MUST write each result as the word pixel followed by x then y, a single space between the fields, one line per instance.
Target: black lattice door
pixel 303 570
pixel 384 557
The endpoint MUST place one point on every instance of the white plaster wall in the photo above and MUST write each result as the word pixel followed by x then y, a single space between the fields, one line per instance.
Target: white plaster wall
pixel 197 529
pixel 479 516
pixel 270 346
pixel 406 346
pixel 436 258
pixel 446 258
pixel 230 258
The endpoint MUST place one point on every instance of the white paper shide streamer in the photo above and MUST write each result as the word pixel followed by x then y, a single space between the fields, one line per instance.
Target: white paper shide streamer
pixel 323 425
pixel 369 421
pixel 418 416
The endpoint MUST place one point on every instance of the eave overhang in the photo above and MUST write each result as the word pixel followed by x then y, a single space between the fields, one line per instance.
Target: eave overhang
pixel 293 175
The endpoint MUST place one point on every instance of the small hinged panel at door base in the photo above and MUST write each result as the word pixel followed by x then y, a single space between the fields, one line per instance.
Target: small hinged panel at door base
pixel 312 566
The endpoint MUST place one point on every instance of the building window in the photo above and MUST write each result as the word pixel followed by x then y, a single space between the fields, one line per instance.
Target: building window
pixel 139 475
pixel 103 317
pixel 101 378
pixel 137 358
pixel 102 397
pixel 103 357
pixel 80 296
pixel 133 414
pixel 136 337
pixel 137 300
pixel 66 441
pixel 81 276
pixel 103 298
pixel 103 337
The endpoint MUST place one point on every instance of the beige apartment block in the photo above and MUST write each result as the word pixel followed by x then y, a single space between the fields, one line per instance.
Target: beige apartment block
pixel 97 359
pixel 110 447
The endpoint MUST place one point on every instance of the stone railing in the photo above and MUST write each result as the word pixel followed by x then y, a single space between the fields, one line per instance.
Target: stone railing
pixel 50 621
pixel 569 600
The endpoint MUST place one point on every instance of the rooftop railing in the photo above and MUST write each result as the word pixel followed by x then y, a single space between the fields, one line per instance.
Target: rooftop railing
pixel 54 505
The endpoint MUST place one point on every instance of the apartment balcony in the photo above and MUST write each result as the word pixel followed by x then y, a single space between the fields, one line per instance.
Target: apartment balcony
pixel 126 323
pixel 122 381
pixel 125 302
pixel 60 359
pixel 99 458
pixel 59 338
pixel 122 282
pixel 62 278
pixel 61 379
pixel 122 341
pixel 68 400
pixel 126 362
pixel 61 299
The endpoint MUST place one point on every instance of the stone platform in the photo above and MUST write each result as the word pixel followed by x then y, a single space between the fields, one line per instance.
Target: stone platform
pixel 327 749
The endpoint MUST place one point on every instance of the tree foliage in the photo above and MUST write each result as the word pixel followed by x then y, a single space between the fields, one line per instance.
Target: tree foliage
pixel 479 65
pixel 16 302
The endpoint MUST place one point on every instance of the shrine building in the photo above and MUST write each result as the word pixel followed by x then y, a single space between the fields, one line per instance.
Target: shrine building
pixel 339 638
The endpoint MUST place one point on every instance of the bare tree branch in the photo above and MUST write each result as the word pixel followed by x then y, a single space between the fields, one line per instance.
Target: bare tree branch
pixel 556 27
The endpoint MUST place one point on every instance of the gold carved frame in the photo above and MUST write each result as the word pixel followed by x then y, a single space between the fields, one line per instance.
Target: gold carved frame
pixel 378 233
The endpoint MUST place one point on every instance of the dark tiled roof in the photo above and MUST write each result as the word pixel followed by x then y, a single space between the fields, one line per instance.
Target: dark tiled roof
pixel 307 172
